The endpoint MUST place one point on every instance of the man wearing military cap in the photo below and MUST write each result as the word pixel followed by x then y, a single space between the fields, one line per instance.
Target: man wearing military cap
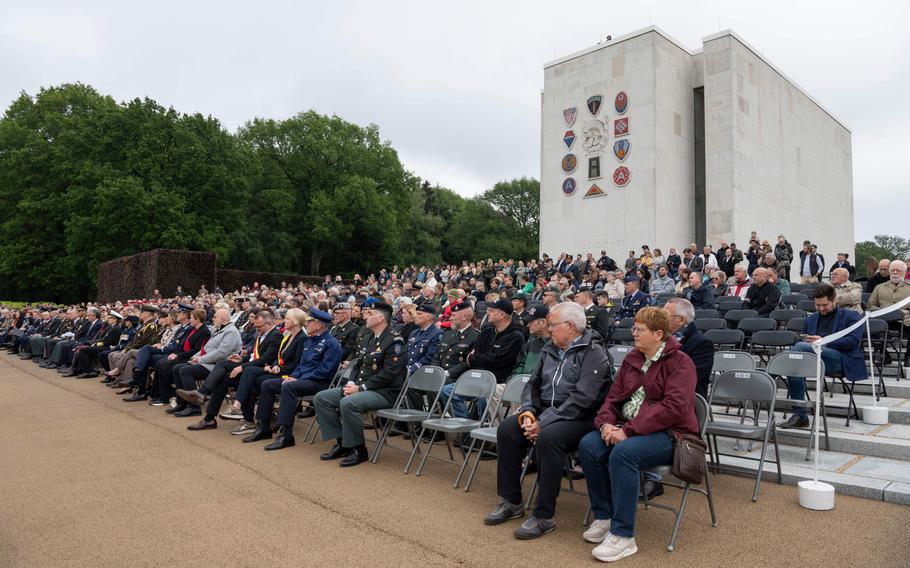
pixel 378 378
pixel 597 318
pixel 634 299
pixel 456 342
pixel 423 341
pixel 344 330
pixel 538 335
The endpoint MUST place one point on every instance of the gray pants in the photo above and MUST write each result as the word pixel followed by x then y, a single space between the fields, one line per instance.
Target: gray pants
pixel 342 416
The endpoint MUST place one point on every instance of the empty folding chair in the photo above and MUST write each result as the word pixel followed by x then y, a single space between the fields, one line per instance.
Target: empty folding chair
pixel 796 324
pixel 895 338
pixel 418 401
pixel 765 344
pixel 725 338
pixel 618 354
pixel 511 399
pixel 475 385
pixel 705 324
pixel 625 323
pixel 791 300
pixel 665 471
pixel 705 313
pixel 621 335
pixel 800 364
pixel 750 325
pixel 782 317
pixel 733 317
pixel 727 303
pixel 796 288
pixel 879 335
pixel 755 389
pixel 732 361
pixel 806 305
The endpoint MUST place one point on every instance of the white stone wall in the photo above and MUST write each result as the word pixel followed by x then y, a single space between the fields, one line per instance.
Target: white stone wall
pixel 625 218
pixel 776 162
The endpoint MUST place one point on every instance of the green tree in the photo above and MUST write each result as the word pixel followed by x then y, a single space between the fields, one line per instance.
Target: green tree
pixel 519 200
pixel 882 246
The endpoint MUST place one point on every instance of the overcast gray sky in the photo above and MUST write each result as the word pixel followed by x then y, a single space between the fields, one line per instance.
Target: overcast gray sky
pixel 455 86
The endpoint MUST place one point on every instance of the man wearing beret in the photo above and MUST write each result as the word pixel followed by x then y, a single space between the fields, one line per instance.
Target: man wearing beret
pixel 378 378
pixel 456 342
pixel 634 299
pixel 423 341
pixel 317 366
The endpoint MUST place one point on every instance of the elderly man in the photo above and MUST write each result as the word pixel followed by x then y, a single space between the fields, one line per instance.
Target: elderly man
pixel 538 335
pixel 880 277
pixel 842 355
pixel 317 366
pixel 345 330
pixel 849 294
pixel 895 290
pixel 699 295
pixel 782 284
pixel 597 318
pixel 456 342
pixel 558 407
pixel 224 343
pixel 699 348
pixel 738 284
pixel 380 371
pixel 762 296
pixel 423 341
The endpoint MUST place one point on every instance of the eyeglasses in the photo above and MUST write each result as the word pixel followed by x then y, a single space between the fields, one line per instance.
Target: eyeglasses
pixel 551 325
pixel 639 330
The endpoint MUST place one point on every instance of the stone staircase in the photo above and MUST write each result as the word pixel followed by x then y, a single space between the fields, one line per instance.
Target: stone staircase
pixel 862 460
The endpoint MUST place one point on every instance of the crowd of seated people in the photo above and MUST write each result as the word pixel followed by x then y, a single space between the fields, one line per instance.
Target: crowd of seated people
pixel 252 355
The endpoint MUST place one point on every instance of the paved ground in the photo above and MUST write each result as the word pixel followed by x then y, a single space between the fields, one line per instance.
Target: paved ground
pixel 91 481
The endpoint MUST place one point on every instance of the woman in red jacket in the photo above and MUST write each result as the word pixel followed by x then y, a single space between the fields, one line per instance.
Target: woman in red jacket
pixel 651 401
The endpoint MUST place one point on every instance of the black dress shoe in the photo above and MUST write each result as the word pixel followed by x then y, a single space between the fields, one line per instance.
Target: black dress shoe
pixel 357 456
pixel 64 370
pixel 125 390
pixel 188 411
pixel 193 396
pixel 87 375
pixel 653 489
pixel 282 441
pixel 136 397
pixel 69 373
pixel 203 425
pixel 175 409
pixel 796 422
pixel 107 380
pixel 336 452
pixel 259 433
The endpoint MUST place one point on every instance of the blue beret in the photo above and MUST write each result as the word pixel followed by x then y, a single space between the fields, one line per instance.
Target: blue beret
pixel 321 316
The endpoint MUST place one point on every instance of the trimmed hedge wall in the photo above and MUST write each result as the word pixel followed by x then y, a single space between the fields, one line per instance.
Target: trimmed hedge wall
pixel 139 275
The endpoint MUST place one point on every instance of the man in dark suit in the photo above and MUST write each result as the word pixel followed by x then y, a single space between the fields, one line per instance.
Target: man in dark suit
pixel 694 343
pixel 842 262
pixel 844 355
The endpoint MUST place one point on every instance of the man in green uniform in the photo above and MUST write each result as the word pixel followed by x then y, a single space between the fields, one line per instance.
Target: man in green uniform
pixel 377 381
pixel 456 342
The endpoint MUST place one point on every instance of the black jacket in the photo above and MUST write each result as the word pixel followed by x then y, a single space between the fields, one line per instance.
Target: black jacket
pixel 111 337
pixel 700 349
pixel 497 352
pixel 347 336
pixel 268 349
pixel 598 320
pixel 702 299
pixel 764 299
pixel 196 341
pixel 288 356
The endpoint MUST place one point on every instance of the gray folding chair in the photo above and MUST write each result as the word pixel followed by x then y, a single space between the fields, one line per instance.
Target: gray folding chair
pixel 618 354
pixel 791 300
pixel 758 390
pixel 341 376
pixel 800 364
pixel 732 361
pixel 511 399
pixel 795 324
pixel 701 411
pixel 418 401
pixel 783 317
pixel 765 344
pixel 750 326
pixel 721 338
pixel 472 384
pixel 705 324
pixel 733 317
pixel 625 323
pixel 727 303
pixel 621 335
pixel 705 313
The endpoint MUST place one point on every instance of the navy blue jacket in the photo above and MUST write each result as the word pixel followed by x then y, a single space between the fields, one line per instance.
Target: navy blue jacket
pixel 422 346
pixel 320 358
pixel 850 345
pixel 701 350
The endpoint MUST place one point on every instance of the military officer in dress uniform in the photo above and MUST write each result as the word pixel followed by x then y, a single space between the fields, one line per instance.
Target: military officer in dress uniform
pixel 424 341
pixel 634 299
pixel 455 343
pixel 344 330
pixel 596 317
pixel 377 381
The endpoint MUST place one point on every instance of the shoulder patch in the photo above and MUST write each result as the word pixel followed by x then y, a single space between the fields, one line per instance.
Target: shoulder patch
pixel 396 348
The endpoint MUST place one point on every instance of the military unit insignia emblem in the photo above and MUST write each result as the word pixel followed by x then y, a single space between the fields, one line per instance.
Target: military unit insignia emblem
pixel 595 191
pixel 569 162
pixel 594 104
pixel 594 136
pixel 568 186
pixel 621 126
pixel 621 176
pixel 569 116
pixel 621 103
pixel 621 148
pixel 569 138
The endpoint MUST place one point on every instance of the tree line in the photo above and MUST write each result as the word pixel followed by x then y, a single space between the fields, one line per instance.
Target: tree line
pixel 84 179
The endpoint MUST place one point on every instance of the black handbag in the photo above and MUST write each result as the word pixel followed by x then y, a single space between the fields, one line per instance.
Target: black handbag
pixel 689 458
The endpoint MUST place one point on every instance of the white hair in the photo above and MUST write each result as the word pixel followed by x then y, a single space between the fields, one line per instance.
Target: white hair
pixel 684 308
pixel 898 264
pixel 573 313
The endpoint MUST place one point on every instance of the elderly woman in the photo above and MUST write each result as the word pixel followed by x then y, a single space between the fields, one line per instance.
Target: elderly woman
pixel 651 401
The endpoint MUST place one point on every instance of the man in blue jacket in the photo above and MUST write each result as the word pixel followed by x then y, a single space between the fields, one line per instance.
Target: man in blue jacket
pixel 843 355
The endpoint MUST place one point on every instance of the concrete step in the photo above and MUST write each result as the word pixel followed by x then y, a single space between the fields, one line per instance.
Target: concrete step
pixel 864 476
pixel 836 405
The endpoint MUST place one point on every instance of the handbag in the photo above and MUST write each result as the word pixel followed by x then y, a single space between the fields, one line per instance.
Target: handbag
pixel 689 458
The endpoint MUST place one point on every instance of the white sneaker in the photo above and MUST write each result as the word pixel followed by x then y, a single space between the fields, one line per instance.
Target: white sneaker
pixel 597 531
pixel 614 548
